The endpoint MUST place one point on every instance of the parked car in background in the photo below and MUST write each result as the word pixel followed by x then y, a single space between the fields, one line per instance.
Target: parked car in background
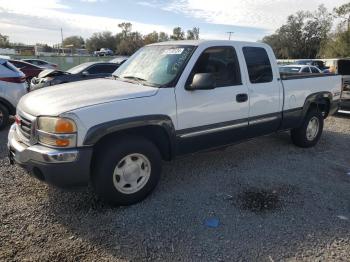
pixel 84 71
pixel 12 87
pixel 28 69
pixel 312 62
pixel 299 69
pixel 104 52
pixel 119 60
pixel 41 63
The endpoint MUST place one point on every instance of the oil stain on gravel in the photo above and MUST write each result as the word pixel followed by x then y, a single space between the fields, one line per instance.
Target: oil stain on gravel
pixel 263 201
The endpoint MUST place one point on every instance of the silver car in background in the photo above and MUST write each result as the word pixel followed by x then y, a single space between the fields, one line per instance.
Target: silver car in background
pixel 41 63
pixel 300 69
pixel 85 71
pixel 13 86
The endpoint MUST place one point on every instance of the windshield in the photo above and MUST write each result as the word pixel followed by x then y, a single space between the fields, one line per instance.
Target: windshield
pixel 290 69
pixel 77 69
pixel 155 65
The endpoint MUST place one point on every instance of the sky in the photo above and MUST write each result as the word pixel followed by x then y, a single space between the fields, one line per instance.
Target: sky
pixel 40 21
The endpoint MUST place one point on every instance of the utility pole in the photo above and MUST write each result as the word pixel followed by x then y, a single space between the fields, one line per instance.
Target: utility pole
pixel 229 34
pixel 62 40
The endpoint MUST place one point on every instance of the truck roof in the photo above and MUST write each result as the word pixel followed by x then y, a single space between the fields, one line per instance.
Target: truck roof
pixel 212 42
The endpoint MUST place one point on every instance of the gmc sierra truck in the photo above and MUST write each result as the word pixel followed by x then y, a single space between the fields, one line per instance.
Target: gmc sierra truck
pixel 167 100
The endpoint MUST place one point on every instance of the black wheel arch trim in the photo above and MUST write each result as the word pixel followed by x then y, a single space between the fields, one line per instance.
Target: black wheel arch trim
pixel 8 105
pixel 317 98
pixel 95 133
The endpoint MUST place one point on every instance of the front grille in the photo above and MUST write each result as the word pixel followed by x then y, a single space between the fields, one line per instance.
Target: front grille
pixel 25 127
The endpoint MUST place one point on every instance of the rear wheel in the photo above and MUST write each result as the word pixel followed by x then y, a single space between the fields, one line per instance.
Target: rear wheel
pixel 126 170
pixel 309 133
pixel 4 116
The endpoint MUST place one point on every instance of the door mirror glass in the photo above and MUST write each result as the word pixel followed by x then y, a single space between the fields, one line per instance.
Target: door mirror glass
pixel 85 73
pixel 202 81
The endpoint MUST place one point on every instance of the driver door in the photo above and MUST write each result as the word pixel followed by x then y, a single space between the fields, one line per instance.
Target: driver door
pixel 211 118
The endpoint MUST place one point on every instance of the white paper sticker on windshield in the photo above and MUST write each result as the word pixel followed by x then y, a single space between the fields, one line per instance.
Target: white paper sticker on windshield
pixel 173 51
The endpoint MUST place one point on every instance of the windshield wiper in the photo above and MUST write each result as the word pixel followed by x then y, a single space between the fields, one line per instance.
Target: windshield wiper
pixel 135 78
pixel 140 81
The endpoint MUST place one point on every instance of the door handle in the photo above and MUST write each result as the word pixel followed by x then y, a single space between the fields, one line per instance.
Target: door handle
pixel 241 98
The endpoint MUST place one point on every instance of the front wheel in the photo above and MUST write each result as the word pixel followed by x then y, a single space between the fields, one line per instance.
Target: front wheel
pixel 309 133
pixel 126 170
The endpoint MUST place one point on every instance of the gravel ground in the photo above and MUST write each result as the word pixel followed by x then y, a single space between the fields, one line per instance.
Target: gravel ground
pixel 273 202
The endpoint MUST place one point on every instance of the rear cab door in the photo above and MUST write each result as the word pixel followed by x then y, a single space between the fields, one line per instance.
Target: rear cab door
pixel 264 88
pixel 211 118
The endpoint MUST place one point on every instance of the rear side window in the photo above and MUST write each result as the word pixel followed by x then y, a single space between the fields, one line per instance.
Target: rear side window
pixel 34 62
pixel 111 68
pixel 10 66
pixel 258 65
pixel 305 70
pixel 102 69
pixel 222 62
pixel 314 70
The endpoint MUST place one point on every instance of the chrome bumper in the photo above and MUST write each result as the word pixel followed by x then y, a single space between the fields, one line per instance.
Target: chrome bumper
pixel 22 153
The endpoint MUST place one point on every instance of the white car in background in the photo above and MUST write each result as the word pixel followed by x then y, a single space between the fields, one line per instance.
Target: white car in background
pixel 300 69
pixel 13 86
pixel 41 63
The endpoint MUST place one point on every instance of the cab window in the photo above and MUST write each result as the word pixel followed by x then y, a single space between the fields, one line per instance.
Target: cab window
pixel 258 65
pixel 222 62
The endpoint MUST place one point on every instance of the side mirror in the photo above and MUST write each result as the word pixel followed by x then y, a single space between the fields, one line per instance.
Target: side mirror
pixel 202 81
pixel 85 73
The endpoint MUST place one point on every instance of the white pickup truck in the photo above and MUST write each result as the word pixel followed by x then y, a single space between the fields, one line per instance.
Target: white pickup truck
pixel 168 99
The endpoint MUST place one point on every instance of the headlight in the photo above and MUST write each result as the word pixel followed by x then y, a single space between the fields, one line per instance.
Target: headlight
pixel 57 132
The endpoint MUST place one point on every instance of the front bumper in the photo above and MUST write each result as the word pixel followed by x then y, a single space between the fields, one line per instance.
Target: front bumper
pixel 59 167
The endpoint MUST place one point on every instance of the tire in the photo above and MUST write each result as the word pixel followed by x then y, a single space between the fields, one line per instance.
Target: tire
pixel 4 116
pixel 118 162
pixel 304 137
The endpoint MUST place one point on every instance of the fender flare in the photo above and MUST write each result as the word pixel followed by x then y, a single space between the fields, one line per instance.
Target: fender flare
pixel 97 132
pixel 317 98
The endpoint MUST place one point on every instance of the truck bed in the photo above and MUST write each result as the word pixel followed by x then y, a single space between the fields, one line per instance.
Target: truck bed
pixel 298 86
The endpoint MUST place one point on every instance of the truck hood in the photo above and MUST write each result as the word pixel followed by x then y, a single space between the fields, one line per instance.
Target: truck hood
pixel 59 99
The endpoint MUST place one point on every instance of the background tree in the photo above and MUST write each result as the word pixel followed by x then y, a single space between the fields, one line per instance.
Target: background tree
pixel 343 12
pixel 101 40
pixel 193 34
pixel 126 29
pixel 338 43
pixel 303 34
pixel 130 44
pixel 4 41
pixel 74 41
pixel 163 37
pixel 178 34
pixel 151 38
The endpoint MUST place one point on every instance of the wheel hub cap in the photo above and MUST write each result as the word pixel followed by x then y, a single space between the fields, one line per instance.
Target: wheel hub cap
pixel 312 129
pixel 131 173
